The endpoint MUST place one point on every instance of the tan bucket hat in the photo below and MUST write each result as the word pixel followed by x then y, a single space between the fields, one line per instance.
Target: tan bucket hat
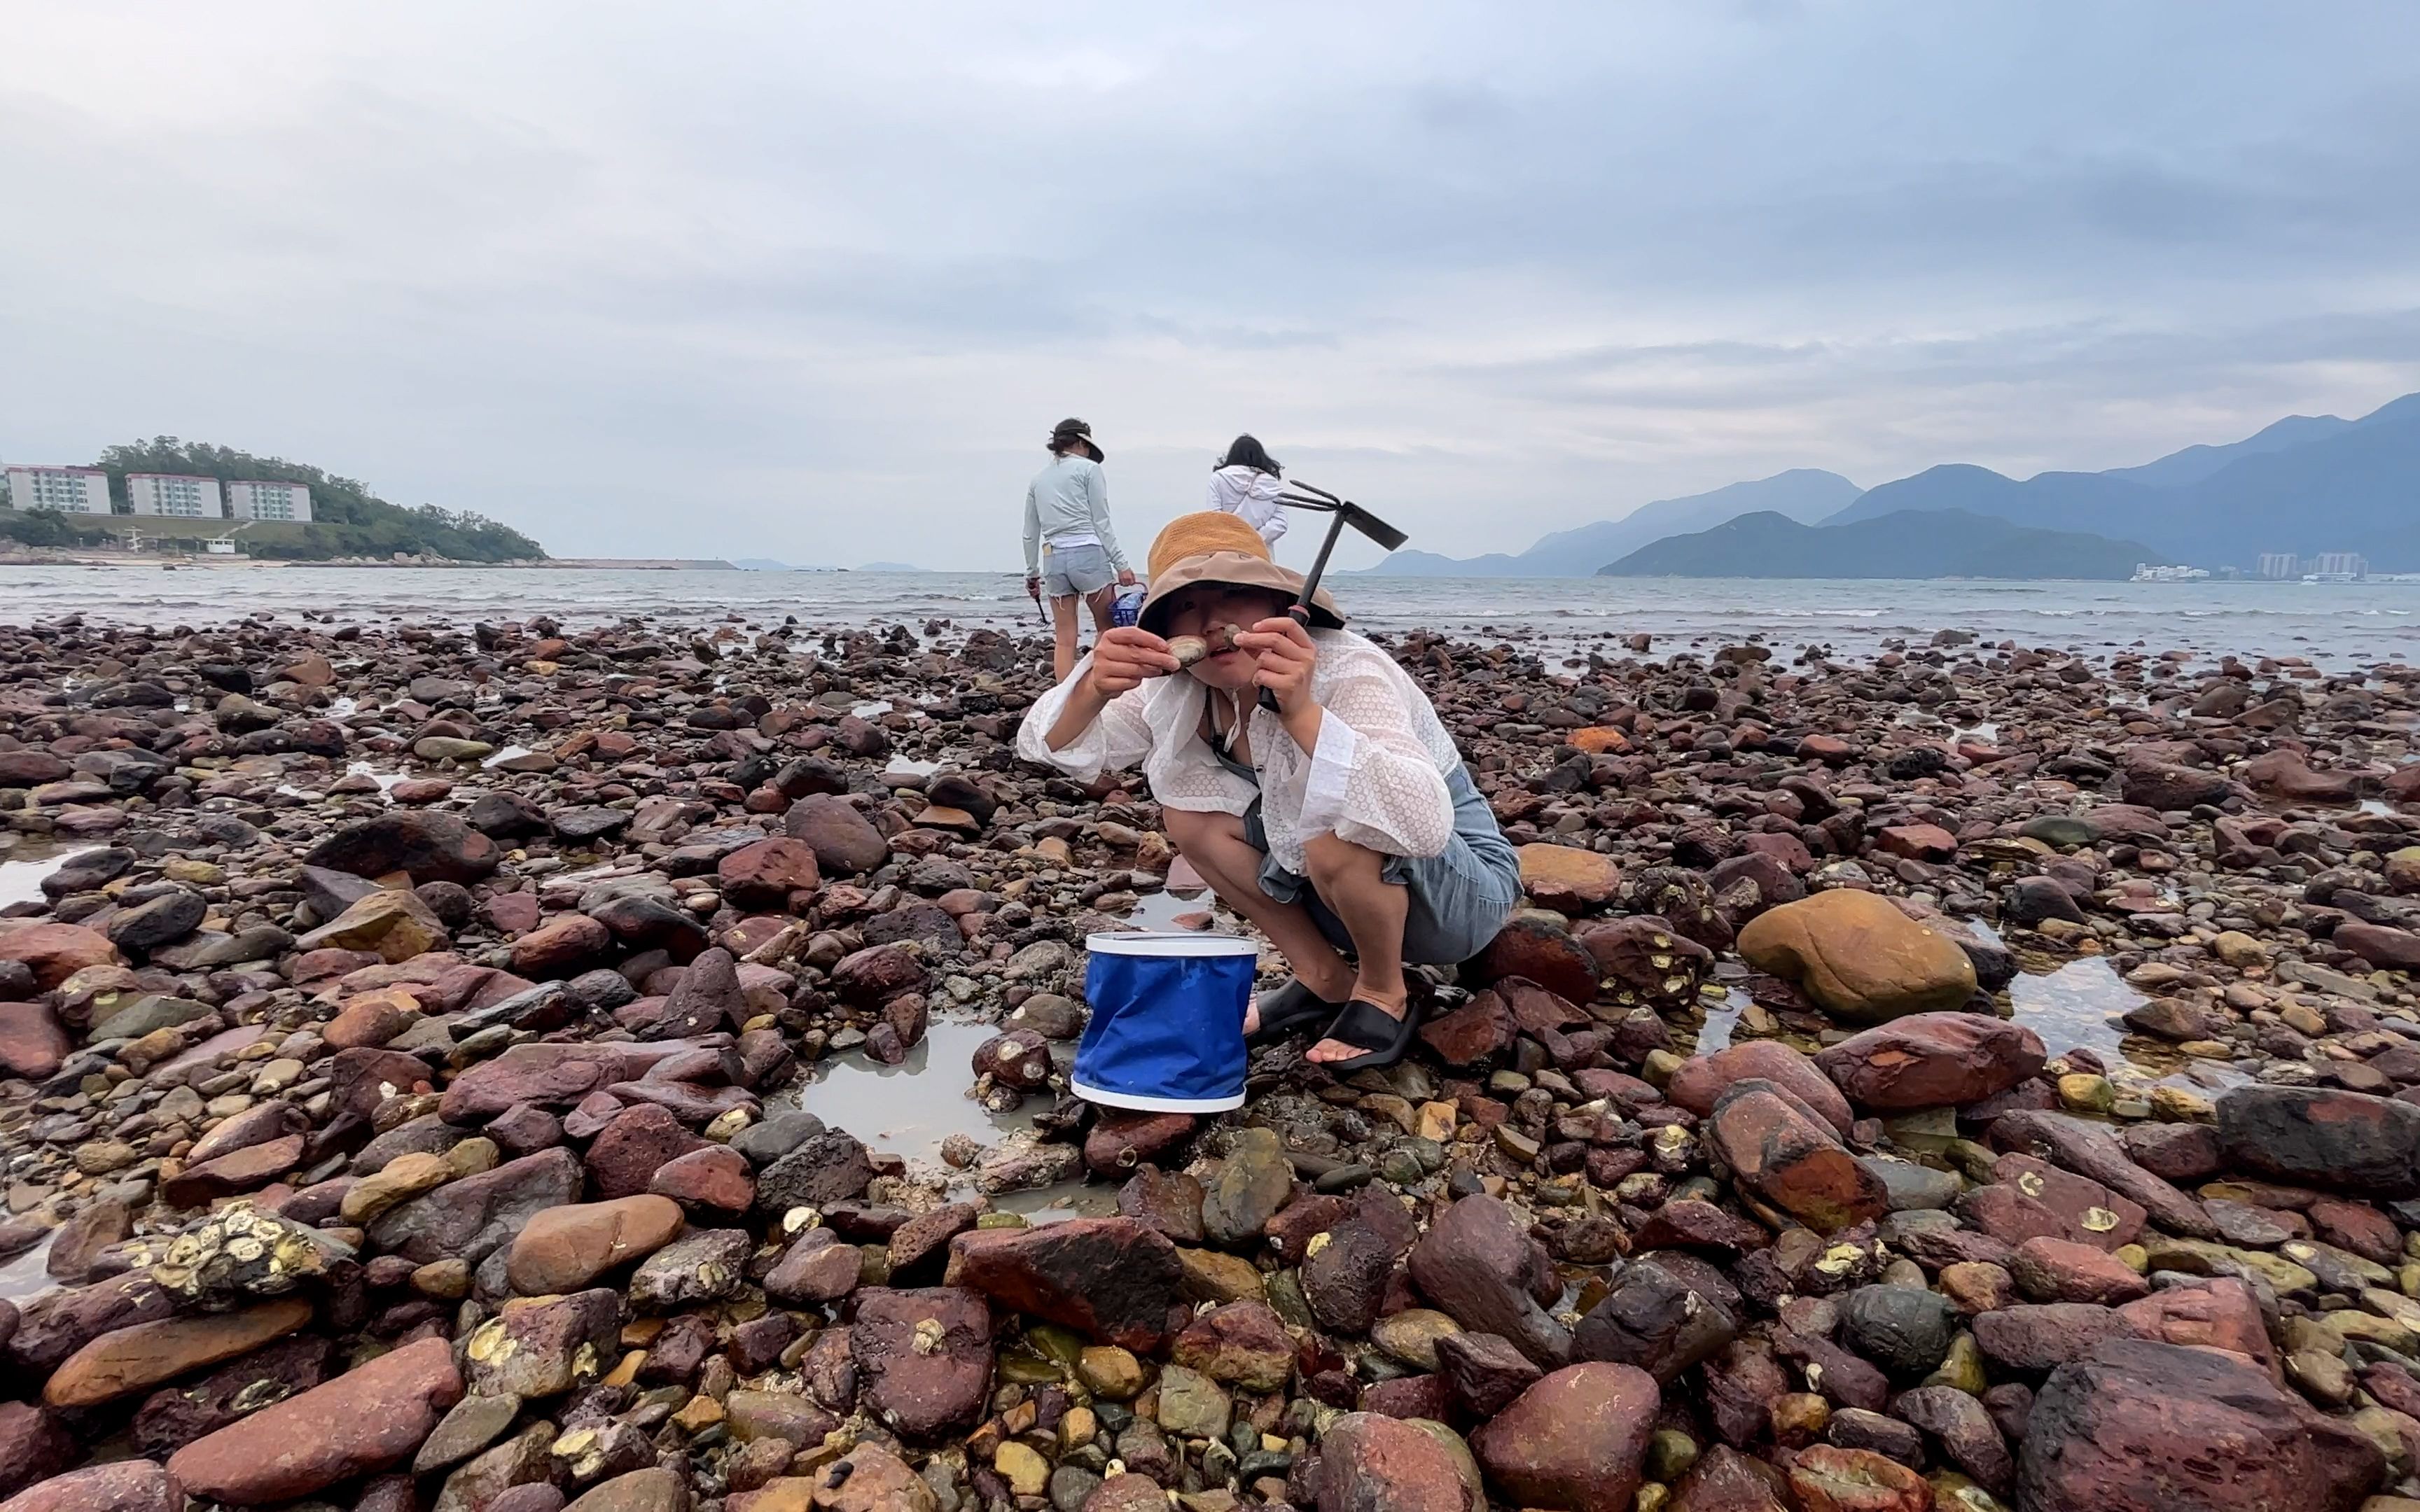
pixel 1214 547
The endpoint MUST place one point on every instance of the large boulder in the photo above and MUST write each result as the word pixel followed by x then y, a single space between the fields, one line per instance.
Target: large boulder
pixel 1858 957
pixel 2145 1426
pixel 1930 1060
pixel 2322 1137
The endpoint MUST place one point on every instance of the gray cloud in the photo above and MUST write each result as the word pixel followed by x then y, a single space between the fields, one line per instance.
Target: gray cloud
pixel 759 280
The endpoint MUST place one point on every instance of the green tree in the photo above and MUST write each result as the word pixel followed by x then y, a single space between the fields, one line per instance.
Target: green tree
pixel 347 519
pixel 48 527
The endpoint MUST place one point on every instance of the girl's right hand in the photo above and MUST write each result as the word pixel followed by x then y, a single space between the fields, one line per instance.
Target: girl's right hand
pixel 1124 658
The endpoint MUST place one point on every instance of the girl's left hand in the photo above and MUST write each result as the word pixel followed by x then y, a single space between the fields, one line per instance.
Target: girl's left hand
pixel 1286 658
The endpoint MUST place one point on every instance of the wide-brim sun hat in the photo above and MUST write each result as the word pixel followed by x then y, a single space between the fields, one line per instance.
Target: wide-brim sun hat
pixel 1214 547
pixel 1072 429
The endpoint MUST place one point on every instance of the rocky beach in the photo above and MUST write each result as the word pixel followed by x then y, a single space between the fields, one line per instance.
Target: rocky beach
pixel 444 1072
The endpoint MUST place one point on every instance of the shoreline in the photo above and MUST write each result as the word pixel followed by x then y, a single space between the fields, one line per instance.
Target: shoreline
pixel 475 974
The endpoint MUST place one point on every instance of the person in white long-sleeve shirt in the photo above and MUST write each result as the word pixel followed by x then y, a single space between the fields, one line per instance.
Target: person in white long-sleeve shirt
pixel 1342 820
pixel 1070 551
pixel 1246 483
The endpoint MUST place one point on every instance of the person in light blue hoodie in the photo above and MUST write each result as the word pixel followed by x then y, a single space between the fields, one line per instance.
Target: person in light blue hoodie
pixel 1070 550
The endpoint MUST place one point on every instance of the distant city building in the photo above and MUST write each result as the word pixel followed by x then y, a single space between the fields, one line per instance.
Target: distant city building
pixel 69 491
pixel 259 499
pixel 2275 564
pixel 179 495
pixel 2146 573
pixel 2341 564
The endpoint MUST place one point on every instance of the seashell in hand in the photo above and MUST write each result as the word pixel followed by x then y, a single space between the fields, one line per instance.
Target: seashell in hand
pixel 1188 649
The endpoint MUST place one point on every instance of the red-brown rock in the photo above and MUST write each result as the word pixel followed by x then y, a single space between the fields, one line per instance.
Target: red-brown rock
pixel 1368 1462
pixel 1111 1278
pixel 561 943
pixel 128 1485
pixel 2145 1426
pixel 1926 1061
pixel 55 952
pixel 1787 1156
pixel 370 1418
pixel 1829 1479
pixel 764 874
pixel 136 1359
pixel 1702 1079
pixel 2059 1270
pixel 1477 1030
pixel 1574 1441
pixel 32 1044
pixel 924 1357
pixel 1532 946
pixel 2322 1137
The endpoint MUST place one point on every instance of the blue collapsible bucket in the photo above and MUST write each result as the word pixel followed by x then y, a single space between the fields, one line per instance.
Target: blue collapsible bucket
pixel 1166 1031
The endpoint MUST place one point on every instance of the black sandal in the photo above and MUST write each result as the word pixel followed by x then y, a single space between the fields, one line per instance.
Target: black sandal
pixel 1289 1010
pixel 1366 1026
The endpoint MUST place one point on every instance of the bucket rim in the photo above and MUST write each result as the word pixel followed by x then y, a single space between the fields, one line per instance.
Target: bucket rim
pixel 1145 1103
pixel 1170 944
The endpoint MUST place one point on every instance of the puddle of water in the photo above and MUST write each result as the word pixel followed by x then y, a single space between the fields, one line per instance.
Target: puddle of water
pixel 2076 1007
pixel 2080 1005
pixel 1987 731
pixel 25 1276
pixel 508 753
pixel 21 880
pixel 1159 910
pixel 1720 1023
pixel 343 708
pixel 2377 806
pixel 1055 1204
pixel 900 1109
pixel 907 766
pixel 871 708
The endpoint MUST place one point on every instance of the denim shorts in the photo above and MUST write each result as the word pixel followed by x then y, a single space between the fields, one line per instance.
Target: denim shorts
pixel 1076 571
pixel 1460 896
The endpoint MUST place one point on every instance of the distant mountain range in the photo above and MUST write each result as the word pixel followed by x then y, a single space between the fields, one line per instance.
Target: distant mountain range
pixel 2305 485
pixel 2308 483
pixel 1942 543
pixel 1804 494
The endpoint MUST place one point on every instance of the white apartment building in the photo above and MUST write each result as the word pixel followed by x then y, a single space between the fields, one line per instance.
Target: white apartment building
pixel 69 491
pixel 2280 564
pixel 263 500
pixel 179 495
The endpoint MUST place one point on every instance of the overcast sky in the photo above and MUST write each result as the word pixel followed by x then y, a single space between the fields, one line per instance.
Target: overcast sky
pixel 813 280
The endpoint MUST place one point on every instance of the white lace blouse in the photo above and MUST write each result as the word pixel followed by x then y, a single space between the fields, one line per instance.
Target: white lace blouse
pixel 1378 778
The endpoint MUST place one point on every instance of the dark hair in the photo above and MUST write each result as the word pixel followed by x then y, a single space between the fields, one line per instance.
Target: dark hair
pixel 1246 452
pixel 1069 433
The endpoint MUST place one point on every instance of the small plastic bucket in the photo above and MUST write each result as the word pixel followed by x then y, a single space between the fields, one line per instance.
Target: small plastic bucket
pixel 1166 1031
